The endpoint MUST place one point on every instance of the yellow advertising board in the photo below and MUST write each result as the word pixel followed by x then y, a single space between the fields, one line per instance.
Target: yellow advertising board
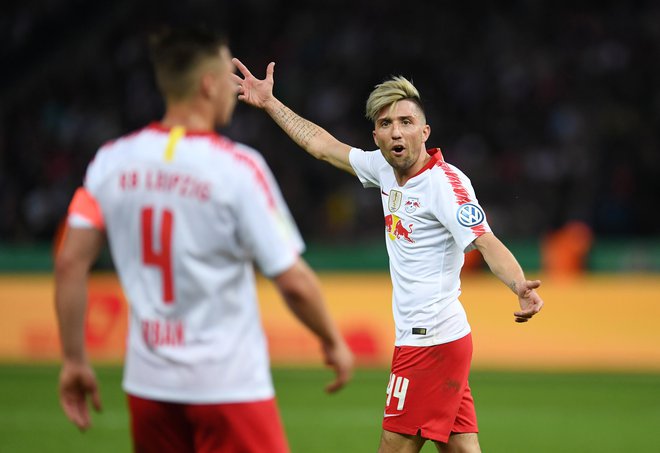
pixel 598 322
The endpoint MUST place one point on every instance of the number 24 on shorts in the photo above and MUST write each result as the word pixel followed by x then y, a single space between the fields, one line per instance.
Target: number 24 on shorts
pixel 397 387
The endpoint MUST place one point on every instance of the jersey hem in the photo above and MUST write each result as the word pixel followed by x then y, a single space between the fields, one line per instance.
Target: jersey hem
pixel 426 342
pixel 241 397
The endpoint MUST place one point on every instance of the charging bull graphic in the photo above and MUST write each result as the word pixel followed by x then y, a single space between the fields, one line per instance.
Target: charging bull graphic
pixel 396 230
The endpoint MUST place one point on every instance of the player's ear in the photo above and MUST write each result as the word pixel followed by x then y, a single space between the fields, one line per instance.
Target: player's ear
pixel 426 132
pixel 208 87
pixel 374 135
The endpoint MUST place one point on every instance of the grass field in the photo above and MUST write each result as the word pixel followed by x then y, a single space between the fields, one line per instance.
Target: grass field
pixel 518 412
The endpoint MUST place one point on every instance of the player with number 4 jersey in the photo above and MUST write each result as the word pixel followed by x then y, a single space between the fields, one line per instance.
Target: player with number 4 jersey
pixel 188 214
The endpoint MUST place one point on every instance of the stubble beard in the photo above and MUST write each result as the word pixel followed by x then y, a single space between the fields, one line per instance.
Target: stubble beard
pixel 400 164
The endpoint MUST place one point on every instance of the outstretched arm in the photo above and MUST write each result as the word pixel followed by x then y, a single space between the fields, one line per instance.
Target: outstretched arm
pixel 504 265
pixel 302 293
pixel 312 138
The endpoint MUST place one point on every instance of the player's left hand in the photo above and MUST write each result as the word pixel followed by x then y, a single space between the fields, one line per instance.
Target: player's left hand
pixel 530 302
pixel 253 91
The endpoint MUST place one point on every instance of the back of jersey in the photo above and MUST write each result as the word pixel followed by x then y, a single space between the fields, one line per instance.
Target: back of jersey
pixel 187 216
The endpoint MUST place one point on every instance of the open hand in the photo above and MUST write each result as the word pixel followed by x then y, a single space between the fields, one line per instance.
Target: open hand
pixel 251 90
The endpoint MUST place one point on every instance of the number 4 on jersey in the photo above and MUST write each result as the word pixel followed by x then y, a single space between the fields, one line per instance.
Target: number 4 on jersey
pixel 397 387
pixel 162 258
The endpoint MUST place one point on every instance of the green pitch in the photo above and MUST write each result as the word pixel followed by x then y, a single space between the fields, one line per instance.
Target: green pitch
pixel 518 412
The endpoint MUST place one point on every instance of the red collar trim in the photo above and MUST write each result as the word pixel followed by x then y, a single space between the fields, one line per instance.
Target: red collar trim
pixel 436 154
pixel 157 126
pixel 436 157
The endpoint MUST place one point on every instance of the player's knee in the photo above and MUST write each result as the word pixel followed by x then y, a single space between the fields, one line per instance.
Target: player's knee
pixel 460 443
pixel 391 442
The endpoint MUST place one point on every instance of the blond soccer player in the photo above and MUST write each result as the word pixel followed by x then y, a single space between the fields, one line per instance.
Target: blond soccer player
pixel 432 217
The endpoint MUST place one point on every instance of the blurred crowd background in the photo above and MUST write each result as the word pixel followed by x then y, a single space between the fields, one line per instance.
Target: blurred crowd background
pixel 552 109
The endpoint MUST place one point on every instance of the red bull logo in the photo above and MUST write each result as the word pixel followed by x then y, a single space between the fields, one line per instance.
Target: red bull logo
pixel 396 230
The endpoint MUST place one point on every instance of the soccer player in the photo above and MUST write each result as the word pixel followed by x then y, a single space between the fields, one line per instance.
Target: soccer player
pixel 432 218
pixel 187 214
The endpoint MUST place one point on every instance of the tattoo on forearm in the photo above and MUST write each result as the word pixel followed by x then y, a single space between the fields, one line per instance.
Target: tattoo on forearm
pixel 514 287
pixel 299 129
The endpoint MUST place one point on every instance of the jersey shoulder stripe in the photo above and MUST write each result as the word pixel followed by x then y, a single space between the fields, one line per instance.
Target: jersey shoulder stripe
pixel 461 194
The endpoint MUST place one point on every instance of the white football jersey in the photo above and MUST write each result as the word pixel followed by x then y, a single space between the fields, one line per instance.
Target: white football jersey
pixel 430 222
pixel 187 215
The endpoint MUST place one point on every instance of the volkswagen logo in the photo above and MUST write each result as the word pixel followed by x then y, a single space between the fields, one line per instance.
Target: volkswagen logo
pixel 470 215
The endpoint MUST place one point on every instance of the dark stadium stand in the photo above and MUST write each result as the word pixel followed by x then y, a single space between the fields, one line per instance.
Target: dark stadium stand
pixel 552 110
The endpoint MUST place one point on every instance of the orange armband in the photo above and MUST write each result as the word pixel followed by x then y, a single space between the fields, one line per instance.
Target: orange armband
pixel 84 205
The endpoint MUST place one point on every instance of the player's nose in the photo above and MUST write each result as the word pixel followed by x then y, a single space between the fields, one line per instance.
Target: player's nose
pixel 396 131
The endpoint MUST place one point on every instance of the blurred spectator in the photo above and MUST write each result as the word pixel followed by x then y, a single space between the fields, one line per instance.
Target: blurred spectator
pixel 564 252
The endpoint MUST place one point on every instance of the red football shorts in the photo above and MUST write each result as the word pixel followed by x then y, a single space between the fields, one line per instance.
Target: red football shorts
pixel 428 392
pixel 161 427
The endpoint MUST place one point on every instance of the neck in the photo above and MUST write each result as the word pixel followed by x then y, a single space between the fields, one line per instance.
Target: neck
pixel 402 176
pixel 193 115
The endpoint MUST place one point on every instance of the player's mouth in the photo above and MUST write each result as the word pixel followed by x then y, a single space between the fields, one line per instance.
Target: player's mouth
pixel 398 150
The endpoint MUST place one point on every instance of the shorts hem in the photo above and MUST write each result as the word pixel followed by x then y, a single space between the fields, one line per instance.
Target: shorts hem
pixel 422 432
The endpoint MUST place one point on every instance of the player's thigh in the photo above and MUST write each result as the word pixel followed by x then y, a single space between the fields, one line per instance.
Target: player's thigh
pixel 460 443
pixel 254 427
pixel 159 427
pixel 400 443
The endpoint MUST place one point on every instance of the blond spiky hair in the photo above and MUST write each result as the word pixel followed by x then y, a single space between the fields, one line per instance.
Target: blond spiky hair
pixel 389 93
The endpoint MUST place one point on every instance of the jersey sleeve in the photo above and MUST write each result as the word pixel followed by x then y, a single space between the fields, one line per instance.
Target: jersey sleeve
pixel 364 164
pixel 264 221
pixel 457 208
pixel 84 210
